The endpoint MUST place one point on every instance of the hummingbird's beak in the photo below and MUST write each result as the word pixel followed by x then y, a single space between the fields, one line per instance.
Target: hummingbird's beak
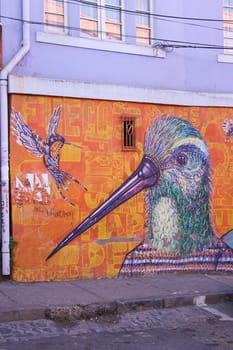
pixel 72 144
pixel 146 175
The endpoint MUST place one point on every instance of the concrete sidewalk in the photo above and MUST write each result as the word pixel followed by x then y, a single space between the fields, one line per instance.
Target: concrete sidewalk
pixel 90 298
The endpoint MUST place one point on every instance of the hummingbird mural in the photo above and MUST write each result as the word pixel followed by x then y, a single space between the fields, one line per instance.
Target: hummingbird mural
pixel 48 149
pixel 175 173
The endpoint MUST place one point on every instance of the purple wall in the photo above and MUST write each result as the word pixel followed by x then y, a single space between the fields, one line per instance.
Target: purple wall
pixel 182 69
pixel 11 29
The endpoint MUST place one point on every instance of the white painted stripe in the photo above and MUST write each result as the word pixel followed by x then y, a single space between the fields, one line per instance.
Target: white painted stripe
pixel 200 301
pixel 215 312
pixel 66 88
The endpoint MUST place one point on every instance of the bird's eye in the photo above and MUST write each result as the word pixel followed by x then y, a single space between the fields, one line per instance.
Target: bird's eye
pixel 182 159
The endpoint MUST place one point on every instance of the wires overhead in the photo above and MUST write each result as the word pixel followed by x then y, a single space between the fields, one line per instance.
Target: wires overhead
pixel 88 3
pixel 170 46
pixel 157 42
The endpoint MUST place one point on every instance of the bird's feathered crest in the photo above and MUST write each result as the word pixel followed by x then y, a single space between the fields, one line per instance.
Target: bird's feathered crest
pixel 161 135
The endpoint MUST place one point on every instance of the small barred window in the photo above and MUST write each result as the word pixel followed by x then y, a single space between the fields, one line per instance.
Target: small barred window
pixel 128 133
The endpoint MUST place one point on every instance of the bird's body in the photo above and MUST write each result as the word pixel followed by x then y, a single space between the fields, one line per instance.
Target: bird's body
pixel 49 150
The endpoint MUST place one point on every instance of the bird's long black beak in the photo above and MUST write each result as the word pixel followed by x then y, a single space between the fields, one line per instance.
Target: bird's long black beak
pixel 146 175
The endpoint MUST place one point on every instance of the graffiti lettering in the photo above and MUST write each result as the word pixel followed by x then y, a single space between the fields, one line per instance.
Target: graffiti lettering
pixel 39 209
pixel 6 206
pixel 31 182
pixel 59 213
pixel 32 189
pixel 2 216
pixel 51 212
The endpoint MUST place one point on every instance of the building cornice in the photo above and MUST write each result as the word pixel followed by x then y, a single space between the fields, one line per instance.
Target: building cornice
pixel 75 89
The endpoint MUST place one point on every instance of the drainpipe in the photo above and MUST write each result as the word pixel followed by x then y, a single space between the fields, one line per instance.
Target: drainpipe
pixel 4 74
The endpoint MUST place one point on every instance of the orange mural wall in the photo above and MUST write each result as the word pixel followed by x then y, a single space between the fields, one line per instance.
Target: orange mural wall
pixel 42 215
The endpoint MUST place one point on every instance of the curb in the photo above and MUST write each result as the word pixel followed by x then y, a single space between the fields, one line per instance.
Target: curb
pixel 22 315
pixel 95 310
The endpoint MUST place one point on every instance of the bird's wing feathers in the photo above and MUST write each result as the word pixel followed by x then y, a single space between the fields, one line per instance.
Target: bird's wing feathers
pixel 53 124
pixel 25 136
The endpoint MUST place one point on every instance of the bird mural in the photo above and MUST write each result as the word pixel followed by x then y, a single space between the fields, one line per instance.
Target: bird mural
pixel 48 149
pixel 179 207
pixel 175 173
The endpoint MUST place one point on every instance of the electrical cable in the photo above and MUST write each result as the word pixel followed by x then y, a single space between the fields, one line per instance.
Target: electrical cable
pixel 101 32
pixel 217 47
pixel 160 16
pixel 159 42
pixel 78 2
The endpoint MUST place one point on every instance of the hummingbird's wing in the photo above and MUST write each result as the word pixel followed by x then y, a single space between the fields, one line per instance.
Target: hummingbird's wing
pixel 53 124
pixel 63 181
pixel 62 178
pixel 25 136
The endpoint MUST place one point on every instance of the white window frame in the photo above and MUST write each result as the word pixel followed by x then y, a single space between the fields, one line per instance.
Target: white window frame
pixel 228 35
pixel 151 24
pixel 57 29
pixel 227 55
pixel 119 46
pixel 122 23
pixel 101 35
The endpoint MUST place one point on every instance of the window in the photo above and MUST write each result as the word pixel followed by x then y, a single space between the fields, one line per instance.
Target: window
pixel 228 25
pixel 55 16
pixel 101 19
pixel 128 133
pixel 89 18
pixel 143 22
pixel 111 26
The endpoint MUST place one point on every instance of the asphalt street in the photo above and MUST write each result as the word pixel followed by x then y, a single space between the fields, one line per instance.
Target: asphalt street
pixel 192 327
